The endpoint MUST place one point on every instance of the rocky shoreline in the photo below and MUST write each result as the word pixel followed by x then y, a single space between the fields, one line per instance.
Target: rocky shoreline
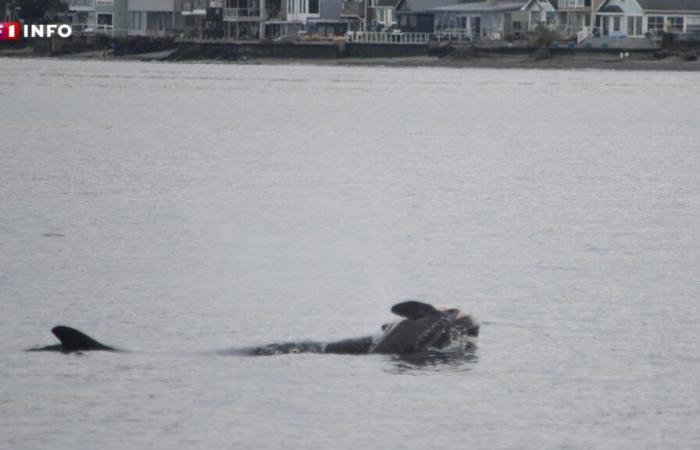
pixel 460 58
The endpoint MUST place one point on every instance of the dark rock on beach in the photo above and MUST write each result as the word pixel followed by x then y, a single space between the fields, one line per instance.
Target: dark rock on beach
pixel 541 54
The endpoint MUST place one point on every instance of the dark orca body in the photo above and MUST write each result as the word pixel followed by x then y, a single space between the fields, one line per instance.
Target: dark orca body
pixel 424 328
pixel 73 340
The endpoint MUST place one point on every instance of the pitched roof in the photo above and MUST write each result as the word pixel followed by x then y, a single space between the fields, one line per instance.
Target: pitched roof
pixel 670 5
pixel 610 9
pixel 483 7
pixel 385 3
pixel 422 5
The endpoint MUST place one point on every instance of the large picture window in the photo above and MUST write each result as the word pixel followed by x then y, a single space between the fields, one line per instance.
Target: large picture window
pixel 104 22
pixel 313 6
pixel 675 23
pixel 135 22
pixel 655 23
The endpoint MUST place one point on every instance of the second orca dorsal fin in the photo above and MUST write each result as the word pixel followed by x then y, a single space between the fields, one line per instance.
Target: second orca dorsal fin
pixel 413 310
pixel 73 340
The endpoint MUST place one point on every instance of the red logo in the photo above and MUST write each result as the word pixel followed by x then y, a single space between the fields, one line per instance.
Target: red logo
pixel 10 31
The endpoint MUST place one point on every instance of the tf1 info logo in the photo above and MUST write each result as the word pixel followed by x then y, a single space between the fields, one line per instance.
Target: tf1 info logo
pixel 13 31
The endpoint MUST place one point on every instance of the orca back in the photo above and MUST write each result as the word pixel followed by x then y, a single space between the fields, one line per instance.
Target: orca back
pixel 73 340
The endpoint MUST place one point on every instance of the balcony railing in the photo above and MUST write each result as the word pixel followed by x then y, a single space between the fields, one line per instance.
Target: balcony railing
pixel 574 4
pixel 81 5
pixel 190 7
pixel 234 14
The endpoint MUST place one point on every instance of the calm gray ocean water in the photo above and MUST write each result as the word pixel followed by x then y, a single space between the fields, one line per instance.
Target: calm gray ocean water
pixel 178 210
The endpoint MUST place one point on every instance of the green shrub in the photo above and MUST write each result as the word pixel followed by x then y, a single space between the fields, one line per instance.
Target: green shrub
pixel 544 36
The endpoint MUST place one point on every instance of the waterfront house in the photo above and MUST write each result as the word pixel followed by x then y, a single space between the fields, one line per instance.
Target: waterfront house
pixel 636 18
pixel 493 20
pixel 245 19
pixel 293 18
pixel 107 17
pixel 154 17
pixel 576 15
pixel 352 12
pixel 417 16
pixel 200 17
pixel 382 14
pixel 302 10
pixel 330 22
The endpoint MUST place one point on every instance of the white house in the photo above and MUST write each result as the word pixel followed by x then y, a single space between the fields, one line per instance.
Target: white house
pixel 107 17
pixel 576 15
pixel 303 10
pixel 382 12
pixel 635 18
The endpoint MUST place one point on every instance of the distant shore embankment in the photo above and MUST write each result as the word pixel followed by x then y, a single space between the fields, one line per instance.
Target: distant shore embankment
pixel 340 52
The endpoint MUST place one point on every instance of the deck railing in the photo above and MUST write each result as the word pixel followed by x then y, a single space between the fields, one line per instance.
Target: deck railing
pixel 454 35
pixel 376 37
pixel 81 5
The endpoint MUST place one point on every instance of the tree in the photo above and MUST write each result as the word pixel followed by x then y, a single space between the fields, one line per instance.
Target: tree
pixel 36 11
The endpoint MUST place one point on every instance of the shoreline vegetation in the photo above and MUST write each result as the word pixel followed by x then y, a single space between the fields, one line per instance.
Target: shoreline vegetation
pixel 372 56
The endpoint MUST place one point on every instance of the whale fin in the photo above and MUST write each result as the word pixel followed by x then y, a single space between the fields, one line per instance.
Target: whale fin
pixel 413 310
pixel 73 340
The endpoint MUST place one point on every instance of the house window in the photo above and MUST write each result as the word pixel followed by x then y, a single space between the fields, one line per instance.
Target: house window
pixel 675 23
pixel 693 23
pixel 534 17
pixel 135 20
pixel 634 25
pixel 313 6
pixel 655 23
pixel 616 23
pixel 517 28
pixel 104 21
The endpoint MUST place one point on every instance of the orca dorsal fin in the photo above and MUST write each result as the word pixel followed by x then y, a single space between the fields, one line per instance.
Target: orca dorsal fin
pixel 413 310
pixel 73 340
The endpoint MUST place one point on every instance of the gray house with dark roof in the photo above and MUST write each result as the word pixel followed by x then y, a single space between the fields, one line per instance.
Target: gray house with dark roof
pixel 492 20
pixel 636 18
pixel 417 15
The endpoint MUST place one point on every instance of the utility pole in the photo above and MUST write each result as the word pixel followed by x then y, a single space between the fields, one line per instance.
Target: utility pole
pixel 263 16
pixel 366 9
